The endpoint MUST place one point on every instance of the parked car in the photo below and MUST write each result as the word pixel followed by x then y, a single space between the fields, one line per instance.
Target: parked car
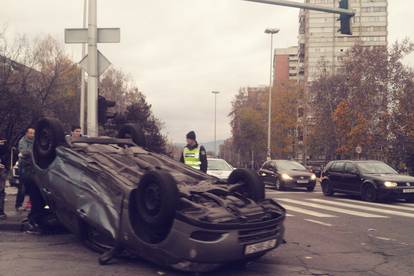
pixel 219 168
pixel 117 196
pixel 372 180
pixel 283 174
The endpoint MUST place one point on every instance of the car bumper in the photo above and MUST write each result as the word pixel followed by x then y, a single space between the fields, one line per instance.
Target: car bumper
pixel 397 193
pixel 181 251
pixel 296 184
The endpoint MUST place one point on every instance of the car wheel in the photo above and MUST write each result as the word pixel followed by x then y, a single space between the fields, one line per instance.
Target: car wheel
pixel 133 131
pixel 279 186
pixel 49 135
pixel 369 193
pixel 310 188
pixel 153 205
pixel 247 183
pixel 327 188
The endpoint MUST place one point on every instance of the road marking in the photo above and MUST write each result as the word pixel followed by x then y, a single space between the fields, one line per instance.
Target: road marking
pixel 333 209
pixel 293 192
pixel 289 215
pixel 378 204
pixel 365 208
pixel 407 204
pixel 307 212
pixel 319 222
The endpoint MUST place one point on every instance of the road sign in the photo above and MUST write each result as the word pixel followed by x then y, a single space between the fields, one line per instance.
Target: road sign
pixel 95 63
pixel 103 63
pixel 80 35
pixel 358 149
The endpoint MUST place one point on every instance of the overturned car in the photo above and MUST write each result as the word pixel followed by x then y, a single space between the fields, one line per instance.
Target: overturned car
pixel 118 197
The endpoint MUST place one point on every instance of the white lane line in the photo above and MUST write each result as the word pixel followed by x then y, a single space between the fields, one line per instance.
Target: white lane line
pixel 319 222
pixel 297 192
pixel 307 212
pixel 365 208
pixel 393 206
pixel 289 215
pixel 407 204
pixel 333 209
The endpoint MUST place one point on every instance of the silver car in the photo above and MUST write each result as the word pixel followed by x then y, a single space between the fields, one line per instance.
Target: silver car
pixel 119 197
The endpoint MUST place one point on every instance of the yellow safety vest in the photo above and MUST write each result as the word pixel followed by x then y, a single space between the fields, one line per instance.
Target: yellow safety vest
pixel 192 157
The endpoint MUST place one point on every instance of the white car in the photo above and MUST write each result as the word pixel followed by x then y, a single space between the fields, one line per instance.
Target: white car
pixel 219 168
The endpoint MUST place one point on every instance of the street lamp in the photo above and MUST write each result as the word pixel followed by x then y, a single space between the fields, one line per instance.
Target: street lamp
pixel 269 123
pixel 215 121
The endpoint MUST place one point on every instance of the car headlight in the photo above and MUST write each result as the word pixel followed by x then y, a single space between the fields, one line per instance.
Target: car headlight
pixel 390 184
pixel 286 177
pixel 313 177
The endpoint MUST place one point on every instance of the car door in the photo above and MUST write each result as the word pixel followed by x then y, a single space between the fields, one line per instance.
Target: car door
pixel 335 175
pixel 351 178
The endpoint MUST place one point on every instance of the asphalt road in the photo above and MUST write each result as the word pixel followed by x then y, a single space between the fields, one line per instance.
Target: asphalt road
pixel 325 236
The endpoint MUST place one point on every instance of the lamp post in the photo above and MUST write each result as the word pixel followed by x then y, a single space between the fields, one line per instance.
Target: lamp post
pixel 215 121
pixel 269 123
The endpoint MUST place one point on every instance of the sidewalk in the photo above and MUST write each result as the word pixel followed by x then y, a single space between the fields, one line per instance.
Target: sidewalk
pixel 14 218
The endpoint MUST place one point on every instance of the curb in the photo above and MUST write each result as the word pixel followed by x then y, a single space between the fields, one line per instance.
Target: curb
pixel 10 226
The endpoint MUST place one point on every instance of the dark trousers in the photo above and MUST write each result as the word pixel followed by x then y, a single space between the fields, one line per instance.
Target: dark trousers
pixel 36 198
pixel 38 203
pixel 21 192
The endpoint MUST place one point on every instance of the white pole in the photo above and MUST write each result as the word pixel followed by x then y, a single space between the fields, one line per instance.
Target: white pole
pixel 269 123
pixel 82 97
pixel 92 114
pixel 215 122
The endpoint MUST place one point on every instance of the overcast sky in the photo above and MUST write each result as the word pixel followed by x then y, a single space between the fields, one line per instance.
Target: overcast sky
pixel 178 51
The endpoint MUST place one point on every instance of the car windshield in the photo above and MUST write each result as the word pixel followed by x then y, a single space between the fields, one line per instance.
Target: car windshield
pixel 290 165
pixel 218 165
pixel 376 168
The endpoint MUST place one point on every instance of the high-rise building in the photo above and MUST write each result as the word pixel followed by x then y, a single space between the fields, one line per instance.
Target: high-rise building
pixel 320 43
pixel 285 64
pixel 322 46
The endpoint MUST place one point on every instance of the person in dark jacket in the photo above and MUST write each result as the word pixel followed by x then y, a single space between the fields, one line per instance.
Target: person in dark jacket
pixel 193 154
pixel 3 215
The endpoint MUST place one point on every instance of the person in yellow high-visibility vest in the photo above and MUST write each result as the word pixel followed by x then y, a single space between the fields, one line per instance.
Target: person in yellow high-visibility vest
pixel 193 154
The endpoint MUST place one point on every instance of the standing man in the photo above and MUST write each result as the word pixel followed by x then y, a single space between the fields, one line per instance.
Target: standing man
pixel 25 158
pixel 193 154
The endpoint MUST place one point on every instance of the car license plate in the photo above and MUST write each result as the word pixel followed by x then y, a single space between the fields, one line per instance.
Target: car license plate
pixel 259 247
pixel 303 181
pixel 406 191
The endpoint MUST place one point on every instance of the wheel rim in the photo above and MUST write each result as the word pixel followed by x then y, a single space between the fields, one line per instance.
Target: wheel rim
pixel 152 199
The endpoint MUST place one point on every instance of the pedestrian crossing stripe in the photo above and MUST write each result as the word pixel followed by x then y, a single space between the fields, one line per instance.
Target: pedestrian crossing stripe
pixel 307 212
pixel 329 208
pixel 365 208
pixel 392 206
pixel 319 222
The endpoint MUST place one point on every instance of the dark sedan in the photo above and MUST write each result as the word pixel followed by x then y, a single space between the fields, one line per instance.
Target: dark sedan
pixel 372 180
pixel 283 174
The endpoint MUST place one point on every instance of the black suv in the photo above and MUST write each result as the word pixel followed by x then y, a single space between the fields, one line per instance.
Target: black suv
pixel 283 174
pixel 372 180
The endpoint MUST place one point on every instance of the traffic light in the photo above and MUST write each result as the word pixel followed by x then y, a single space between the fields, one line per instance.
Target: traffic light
pixel 103 113
pixel 345 19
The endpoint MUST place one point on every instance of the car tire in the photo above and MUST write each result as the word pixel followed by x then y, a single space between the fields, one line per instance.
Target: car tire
pixel 135 132
pixel 327 188
pixel 153 206
pixel 369 193
pixel 279 186
pixel 49 135
pixel 310 188
pixel 252 187
pixel 410 199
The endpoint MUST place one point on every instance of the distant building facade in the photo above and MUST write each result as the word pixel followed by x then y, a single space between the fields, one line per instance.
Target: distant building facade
pixel 285 64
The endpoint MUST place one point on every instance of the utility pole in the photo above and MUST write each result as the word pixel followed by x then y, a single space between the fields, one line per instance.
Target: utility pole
pixel 82 97
pixel 269 122
pixel 94 63
pixel 215 121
